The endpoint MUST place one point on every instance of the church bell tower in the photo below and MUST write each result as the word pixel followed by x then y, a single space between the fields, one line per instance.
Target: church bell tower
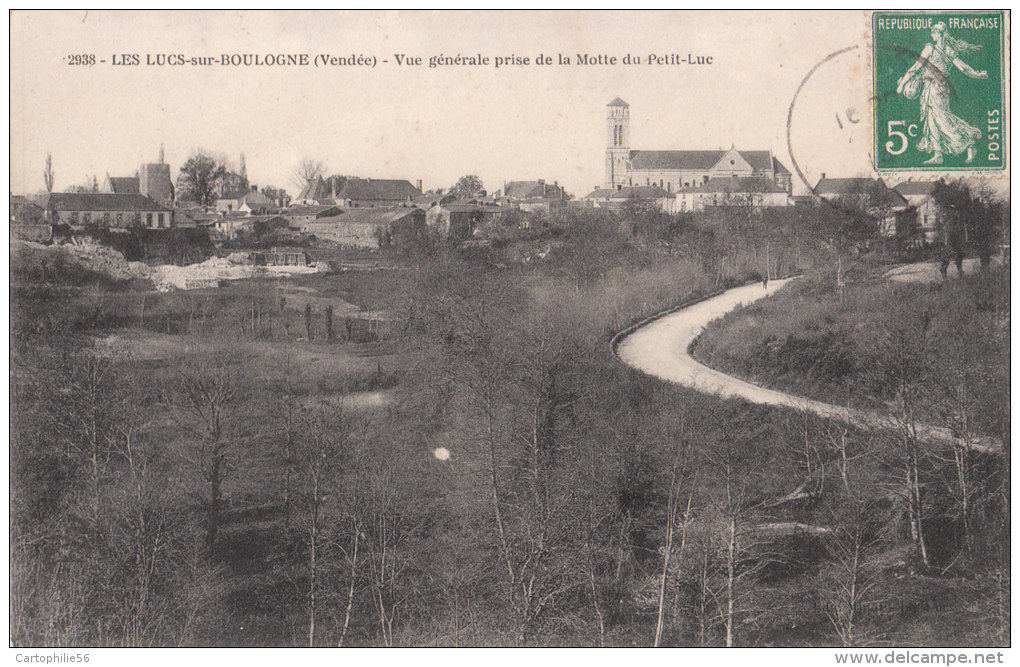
pixel 617 143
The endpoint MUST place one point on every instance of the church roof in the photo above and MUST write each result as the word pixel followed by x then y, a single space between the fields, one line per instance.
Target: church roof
pixel 674 159
pixel 617 103
pixel 701 160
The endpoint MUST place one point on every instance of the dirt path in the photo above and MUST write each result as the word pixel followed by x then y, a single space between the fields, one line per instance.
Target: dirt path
pixel 660 348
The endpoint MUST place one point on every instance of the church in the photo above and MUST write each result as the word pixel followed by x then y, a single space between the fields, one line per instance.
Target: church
pixel 684 170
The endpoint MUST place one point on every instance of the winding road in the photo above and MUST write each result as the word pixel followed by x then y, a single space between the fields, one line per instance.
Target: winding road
pixel 660 347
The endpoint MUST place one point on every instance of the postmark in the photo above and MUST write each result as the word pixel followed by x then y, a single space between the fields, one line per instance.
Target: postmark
pixel 940 78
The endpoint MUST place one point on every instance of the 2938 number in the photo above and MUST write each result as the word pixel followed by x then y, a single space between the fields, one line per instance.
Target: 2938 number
pixel 83 59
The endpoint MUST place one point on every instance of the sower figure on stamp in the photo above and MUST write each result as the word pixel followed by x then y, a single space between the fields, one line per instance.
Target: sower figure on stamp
pixel 943 131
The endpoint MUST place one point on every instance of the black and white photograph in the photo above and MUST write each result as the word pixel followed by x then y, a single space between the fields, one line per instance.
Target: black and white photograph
pixel 509 329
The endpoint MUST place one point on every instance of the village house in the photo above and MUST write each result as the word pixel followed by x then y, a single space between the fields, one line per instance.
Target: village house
pixel 427 201
pixel 870 195
pixel 28 220
pixel 358 192
pixel 748 191
pixel 919 195
pixel 231 227
pixel 251 202
pixel 622 198
pixel 459 220
pixel 673 170
pixel 308 213
pixel 370 227
pixel 191 214
pixel 78 209
pixel 533 196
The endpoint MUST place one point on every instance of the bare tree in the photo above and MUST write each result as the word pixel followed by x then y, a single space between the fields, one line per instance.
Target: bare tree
pixel 902 369
pixel 733 525
pixel 678 515
pixel 853 546
pixel 306 170
pixel 322 454
pixel 202 404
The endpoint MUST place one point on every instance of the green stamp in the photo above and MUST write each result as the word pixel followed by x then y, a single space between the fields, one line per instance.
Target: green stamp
pixel 939 90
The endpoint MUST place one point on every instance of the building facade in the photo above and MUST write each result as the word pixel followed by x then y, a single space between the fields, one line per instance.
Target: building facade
pixel 113 211
pixel 919 195
pixel 673 170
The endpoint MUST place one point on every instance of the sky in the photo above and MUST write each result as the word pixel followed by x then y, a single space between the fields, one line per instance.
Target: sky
pixel 434 124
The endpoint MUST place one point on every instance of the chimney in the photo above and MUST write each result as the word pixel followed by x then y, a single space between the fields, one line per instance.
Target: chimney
pixel 417 184
pixel 823 175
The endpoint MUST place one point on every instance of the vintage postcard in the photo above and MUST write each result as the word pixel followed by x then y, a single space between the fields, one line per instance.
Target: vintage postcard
pixel 342 329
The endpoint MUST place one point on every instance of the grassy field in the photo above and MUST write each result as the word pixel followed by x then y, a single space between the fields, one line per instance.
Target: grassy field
pixel 806 340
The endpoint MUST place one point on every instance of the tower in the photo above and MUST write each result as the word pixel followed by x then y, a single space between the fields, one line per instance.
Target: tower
pixel 617 143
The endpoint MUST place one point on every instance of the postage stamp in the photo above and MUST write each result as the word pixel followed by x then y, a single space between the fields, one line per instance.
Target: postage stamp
pixel 939 91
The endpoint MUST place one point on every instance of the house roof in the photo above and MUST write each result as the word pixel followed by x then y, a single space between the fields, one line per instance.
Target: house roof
pixel 98 201
pixel 471 208
pixel 532 189
pixel 314 189
pixel 837 187
pixel 617 102
pixel 367 216
pixel 124 185
pixel 701 160
pixel 310 209
pixel 915 187
pixel 428 201
pixel 843 186
pixel 381 189
pixel 196 215
pixel 737 185
pixel 253 198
